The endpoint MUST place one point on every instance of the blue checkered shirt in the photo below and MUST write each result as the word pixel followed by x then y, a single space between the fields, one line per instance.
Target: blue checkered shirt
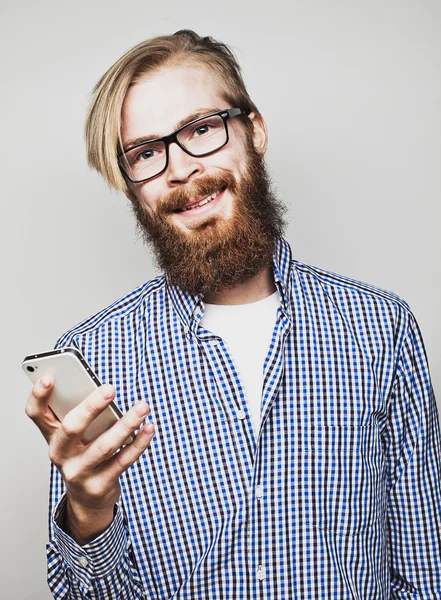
pixel 339 495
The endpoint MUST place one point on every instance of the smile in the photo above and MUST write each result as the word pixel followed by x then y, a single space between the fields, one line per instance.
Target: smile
pixel 202 202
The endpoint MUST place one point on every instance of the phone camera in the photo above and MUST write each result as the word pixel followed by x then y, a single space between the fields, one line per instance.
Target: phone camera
pixel 30 369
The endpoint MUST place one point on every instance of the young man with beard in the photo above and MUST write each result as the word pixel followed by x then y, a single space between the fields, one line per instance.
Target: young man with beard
pixel 291 449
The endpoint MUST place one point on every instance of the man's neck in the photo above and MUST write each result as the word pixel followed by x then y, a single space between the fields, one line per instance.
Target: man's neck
pixel 258 288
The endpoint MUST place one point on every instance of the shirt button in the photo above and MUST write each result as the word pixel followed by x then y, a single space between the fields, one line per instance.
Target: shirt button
pixel 83 561
pixel 241 415
pixel 259 492
pixel 260 573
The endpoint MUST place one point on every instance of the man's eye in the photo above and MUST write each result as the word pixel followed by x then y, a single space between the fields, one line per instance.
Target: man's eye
pixel 145 155
pixel 202 129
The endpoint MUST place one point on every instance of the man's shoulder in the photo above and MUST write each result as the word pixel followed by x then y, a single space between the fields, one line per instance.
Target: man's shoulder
pixel 344 289
pixel 123 308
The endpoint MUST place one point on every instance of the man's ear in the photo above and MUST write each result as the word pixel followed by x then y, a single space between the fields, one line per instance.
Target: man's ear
pixel 260 133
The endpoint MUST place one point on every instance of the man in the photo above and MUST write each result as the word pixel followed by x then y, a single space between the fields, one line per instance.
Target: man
pixel 292 445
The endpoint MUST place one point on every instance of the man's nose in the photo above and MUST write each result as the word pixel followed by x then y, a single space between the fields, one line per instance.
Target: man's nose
pixel 181 166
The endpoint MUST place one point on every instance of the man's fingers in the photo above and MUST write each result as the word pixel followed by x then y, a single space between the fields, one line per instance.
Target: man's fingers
pixel 79 418
pixel 130 454
pixel 39 397
pixel 37 407
pixel 110 441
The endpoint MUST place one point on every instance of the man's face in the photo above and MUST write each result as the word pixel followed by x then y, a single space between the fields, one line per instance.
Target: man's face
pixel 202 248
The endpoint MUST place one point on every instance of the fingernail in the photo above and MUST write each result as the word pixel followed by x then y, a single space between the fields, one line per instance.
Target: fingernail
pixel 108 391
pixel 149 428
pixel 46 381
pixel 141 408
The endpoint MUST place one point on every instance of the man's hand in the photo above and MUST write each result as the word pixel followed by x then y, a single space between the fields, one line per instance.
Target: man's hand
pixel 90 471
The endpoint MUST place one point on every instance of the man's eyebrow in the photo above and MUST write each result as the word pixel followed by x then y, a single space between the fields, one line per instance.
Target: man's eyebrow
pixel 200 112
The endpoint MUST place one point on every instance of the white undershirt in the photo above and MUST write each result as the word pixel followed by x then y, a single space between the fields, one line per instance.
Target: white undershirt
pixel 246 330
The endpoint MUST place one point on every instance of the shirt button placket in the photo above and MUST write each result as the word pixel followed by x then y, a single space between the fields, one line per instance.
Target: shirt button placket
pixel 259 496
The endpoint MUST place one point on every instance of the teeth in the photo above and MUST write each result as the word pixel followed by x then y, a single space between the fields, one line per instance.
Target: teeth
pixel 202 202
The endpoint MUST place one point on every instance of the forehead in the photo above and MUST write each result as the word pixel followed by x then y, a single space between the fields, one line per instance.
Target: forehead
pixel 158 102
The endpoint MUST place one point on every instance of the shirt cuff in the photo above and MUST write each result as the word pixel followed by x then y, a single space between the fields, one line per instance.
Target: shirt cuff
pixel 97 558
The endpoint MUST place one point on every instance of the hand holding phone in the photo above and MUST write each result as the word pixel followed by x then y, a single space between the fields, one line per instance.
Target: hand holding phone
pixel 91 469
pixel 74 380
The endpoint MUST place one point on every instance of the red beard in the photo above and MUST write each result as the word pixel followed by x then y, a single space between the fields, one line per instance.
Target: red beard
pixel 219 253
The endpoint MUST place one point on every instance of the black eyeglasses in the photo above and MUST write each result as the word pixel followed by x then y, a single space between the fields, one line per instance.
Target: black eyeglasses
pixel 200 137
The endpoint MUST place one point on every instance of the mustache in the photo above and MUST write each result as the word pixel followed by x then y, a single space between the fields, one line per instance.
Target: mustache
pixel 203 186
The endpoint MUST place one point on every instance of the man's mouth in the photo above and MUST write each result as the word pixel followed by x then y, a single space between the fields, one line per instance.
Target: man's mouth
pixel 197 203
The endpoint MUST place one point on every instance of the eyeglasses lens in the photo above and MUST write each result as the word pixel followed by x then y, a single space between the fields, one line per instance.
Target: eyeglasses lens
pixel 203 136
pixel 144 161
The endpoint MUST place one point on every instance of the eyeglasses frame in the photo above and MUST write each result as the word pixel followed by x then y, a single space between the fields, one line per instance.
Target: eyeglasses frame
pixel 225 114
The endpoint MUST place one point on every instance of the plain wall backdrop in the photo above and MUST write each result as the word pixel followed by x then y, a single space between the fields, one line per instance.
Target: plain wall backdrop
pixel 351 92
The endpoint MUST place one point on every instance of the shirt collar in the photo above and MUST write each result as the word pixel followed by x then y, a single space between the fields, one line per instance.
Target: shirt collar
pixel 190 308
pixel 283 274
pixel 187 305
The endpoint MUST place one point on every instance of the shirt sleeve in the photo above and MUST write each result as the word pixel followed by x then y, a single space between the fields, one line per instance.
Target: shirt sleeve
pixel 414 511
pixel 102 569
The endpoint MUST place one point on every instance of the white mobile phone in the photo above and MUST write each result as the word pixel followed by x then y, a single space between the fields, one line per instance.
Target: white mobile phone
pixel 73 380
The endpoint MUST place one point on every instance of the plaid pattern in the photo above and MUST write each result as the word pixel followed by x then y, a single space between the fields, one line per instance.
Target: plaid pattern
pixel 339 497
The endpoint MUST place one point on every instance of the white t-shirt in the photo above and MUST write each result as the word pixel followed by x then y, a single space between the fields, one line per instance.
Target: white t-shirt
pixel 246 330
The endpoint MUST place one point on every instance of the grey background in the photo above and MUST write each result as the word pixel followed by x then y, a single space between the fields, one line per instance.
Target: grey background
pixel 351 91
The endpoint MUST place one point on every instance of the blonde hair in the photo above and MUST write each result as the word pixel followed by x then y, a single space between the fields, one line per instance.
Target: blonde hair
pixel 103 123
